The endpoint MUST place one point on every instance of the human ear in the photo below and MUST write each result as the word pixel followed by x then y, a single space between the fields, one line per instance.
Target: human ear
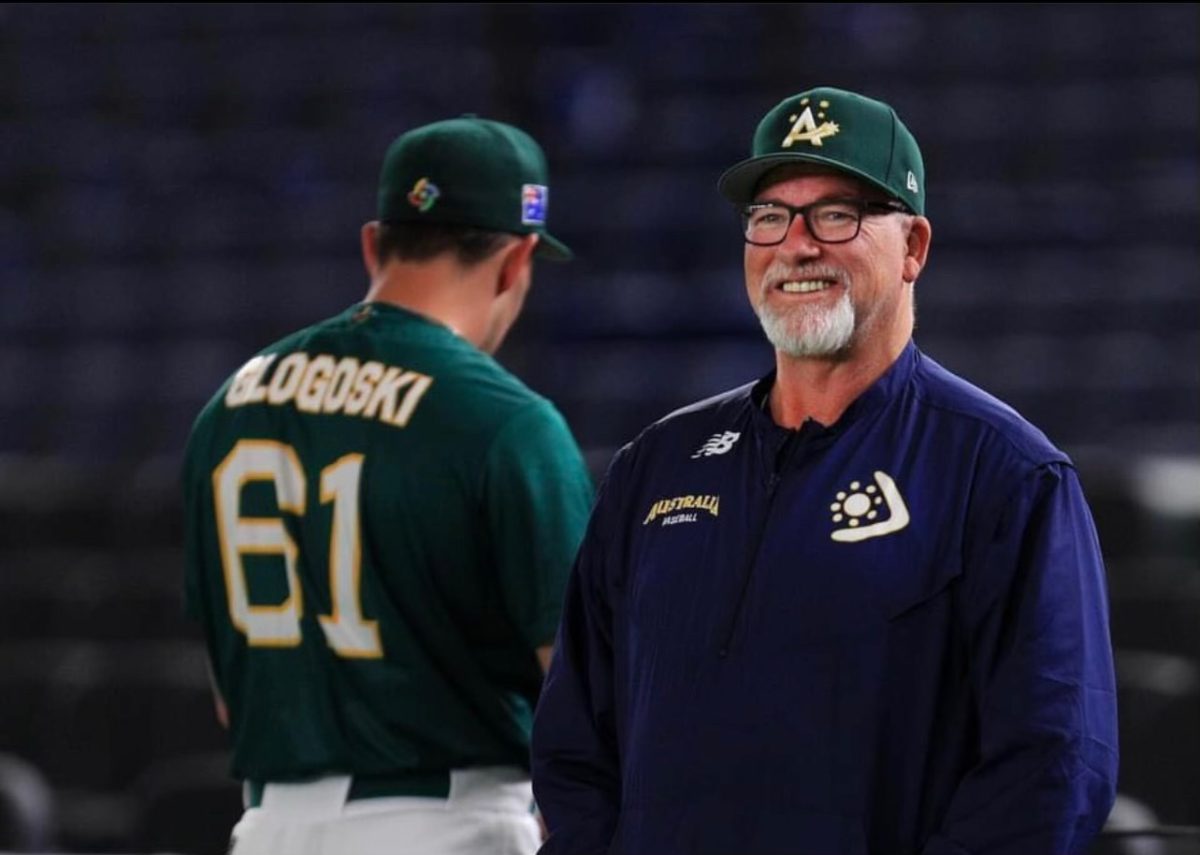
pixel 920 234
pixel 517 260
pixel 369 238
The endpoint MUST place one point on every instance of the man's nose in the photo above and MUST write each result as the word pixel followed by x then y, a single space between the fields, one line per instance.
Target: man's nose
pixel 799 239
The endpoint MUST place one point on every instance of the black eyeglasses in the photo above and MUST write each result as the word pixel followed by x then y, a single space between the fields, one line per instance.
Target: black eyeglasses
pixel 828 221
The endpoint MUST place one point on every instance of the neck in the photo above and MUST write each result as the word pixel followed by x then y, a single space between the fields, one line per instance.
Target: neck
pixel 822 388
pixel 439 289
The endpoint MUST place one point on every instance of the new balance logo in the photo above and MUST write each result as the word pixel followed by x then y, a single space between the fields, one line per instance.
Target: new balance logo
pixel 719 443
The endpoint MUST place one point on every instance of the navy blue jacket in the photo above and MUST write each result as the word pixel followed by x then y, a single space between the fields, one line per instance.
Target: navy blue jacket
pixel 887 636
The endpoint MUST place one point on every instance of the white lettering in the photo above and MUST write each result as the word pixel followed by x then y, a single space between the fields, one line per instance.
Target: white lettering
pixel 340 384
pixel 314 384
pixel 364 385
pixel 322 383
pixel 286 378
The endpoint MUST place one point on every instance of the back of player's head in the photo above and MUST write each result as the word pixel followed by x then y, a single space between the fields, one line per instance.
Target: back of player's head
pixel 470 174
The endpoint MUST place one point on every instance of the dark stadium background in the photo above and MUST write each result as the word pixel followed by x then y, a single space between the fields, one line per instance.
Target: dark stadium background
pixel 183 184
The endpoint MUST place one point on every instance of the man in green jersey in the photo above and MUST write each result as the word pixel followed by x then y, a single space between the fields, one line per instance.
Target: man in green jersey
pixel 379 524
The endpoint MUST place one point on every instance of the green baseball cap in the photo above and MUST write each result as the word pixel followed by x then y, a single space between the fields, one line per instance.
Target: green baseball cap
pixel 469 172
pixel 840 129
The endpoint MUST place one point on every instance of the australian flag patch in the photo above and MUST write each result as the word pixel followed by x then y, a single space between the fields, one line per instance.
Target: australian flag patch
pixel 534 198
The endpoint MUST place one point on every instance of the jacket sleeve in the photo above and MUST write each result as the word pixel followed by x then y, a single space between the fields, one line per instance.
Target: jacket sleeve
pixel 1041 670
pixel 576 776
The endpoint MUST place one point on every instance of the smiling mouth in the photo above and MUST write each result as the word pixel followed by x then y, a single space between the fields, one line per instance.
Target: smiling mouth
pixel 805 286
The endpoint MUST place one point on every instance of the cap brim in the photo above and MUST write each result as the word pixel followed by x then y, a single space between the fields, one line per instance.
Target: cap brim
pixel 552 249
pixel 738 182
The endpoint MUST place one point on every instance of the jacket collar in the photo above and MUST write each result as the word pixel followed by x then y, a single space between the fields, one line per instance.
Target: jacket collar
pixel 874 398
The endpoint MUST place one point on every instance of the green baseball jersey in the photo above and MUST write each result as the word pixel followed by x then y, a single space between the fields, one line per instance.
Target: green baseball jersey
pixel 379 524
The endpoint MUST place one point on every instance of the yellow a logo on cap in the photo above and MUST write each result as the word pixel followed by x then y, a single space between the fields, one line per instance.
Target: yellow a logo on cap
pixel 806 129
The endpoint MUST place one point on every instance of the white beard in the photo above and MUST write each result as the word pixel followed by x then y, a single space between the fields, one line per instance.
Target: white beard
pixel 809 330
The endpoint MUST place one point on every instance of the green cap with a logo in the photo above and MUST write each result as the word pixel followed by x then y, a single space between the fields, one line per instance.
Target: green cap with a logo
pixel 840 129
pixel 469 172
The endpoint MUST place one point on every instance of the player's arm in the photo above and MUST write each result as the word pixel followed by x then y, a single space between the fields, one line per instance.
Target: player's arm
pixel 538 494
pixel 1036 614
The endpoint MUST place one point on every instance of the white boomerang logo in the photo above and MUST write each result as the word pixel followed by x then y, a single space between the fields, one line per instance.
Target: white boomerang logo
pixel 858 505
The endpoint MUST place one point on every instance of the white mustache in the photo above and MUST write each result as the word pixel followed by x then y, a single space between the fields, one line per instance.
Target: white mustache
pixel 777 273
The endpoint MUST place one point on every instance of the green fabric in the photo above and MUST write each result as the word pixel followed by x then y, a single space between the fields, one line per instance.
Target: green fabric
pixel 472 172
pixel 837 128
pixel 469 518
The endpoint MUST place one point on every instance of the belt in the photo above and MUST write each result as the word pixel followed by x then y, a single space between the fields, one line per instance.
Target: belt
pixel 428 784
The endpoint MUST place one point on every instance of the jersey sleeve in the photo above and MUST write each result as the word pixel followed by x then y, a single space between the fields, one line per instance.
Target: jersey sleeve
pixel 537 494
pixel 1036 617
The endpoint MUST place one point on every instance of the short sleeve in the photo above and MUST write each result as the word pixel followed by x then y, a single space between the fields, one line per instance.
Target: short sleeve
pixel 538 495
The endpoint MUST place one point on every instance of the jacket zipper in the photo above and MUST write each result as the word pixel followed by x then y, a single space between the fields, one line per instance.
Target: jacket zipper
pixel 781 459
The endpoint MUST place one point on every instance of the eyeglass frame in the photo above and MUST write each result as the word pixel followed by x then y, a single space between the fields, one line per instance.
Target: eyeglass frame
pixel 864 207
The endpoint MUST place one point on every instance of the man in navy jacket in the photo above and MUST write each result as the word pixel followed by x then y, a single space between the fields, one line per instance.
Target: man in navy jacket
pixel 857 606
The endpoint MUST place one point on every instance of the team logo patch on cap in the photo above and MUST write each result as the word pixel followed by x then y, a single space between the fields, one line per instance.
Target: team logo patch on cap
pixel 423 195
pixel 534 199
pixel 805 127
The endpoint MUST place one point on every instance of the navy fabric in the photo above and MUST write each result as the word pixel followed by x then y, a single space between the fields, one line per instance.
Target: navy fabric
pixel 736 673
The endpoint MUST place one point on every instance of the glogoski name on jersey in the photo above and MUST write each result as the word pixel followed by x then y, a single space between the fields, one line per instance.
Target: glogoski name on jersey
pixel 322 383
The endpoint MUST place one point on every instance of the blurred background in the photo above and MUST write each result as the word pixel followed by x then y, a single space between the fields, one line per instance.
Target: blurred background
pixel 183 184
